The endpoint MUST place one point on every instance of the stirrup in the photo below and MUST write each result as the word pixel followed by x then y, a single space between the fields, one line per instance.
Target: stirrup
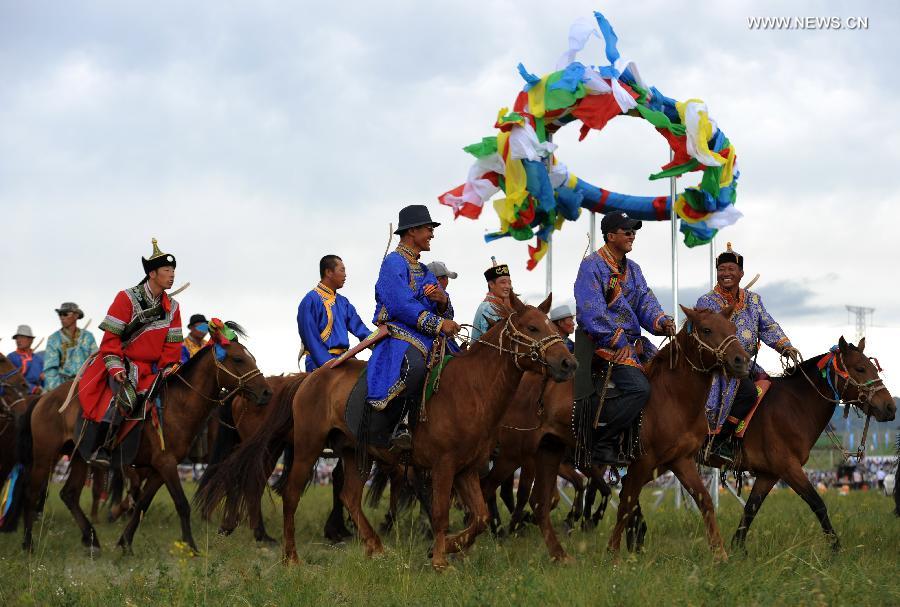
pixel 101 457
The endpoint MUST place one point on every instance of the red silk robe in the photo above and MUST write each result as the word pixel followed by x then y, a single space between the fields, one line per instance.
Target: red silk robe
pixel 144 332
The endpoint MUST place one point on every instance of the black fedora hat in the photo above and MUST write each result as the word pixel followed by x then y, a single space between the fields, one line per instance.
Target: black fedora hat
pixel 413 216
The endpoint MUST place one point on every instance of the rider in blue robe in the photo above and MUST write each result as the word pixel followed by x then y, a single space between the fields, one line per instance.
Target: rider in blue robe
pixel 730 400
pixel 411 303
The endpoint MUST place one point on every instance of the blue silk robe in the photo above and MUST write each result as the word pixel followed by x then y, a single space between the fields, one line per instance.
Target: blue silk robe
pixel 324 319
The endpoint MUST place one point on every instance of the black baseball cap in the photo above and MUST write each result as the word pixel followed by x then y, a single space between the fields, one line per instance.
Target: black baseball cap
pixel 618 220
pixel 197 319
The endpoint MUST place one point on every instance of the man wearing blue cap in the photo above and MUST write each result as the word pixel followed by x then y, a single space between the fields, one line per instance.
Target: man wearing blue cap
pixel 198 327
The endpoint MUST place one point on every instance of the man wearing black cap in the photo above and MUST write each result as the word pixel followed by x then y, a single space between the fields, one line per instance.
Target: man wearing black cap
pixel 613 303
pixel 731 399
pixel 198 327
pixel 499 285
pixel 142 338
pixel 413 306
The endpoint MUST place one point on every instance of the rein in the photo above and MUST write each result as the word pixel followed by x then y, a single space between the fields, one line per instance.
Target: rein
pixel 832 370
pixel 242 381
pixel 537 348
pixel 16 389
pixel 718 352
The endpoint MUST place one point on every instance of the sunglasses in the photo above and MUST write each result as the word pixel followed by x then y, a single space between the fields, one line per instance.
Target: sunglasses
pixel 64 314
pixel 628 233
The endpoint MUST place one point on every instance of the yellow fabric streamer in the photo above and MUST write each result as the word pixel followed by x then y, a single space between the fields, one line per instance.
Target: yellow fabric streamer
pixel 536 104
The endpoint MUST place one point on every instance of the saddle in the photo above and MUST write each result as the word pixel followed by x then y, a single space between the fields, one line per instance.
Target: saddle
pixel 368 426
pixel 128 439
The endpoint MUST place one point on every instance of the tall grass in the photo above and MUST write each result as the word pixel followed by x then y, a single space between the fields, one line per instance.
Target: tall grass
pixel 788 563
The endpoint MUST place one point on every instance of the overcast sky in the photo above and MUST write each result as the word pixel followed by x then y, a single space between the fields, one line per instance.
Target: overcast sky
pixel 253 138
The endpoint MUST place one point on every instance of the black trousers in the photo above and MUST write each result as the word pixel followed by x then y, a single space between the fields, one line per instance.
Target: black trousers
pixel 620 411
pixel 744 399
pixel 413 371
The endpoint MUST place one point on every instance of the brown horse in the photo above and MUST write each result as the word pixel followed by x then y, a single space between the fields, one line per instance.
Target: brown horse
pixel 14 400
pixel 188 397
pixel 672 430
pixel 791 418
pixel 453 442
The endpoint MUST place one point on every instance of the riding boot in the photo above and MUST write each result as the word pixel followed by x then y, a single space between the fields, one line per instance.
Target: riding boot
pixel 103 455
pixel 723 443
pixel 401 439
pixel 606 451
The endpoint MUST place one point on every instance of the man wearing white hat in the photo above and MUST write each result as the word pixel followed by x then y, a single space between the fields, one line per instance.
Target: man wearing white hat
pixel 563 318
pixel 30 363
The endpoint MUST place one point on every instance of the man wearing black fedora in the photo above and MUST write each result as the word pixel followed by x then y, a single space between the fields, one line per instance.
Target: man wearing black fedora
pixel 415 309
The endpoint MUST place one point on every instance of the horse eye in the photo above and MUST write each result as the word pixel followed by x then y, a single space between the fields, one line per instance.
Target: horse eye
pixel 707 330
pixel 532 328
pixel 237 359
pixel 860 370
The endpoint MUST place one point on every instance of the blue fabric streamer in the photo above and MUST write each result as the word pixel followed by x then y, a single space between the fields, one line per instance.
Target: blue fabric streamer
pixel 530 79
pixel 571 77
pixel 609 36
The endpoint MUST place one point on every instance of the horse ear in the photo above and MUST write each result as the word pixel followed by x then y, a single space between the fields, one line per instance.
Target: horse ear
pixel 691 313
pixel 843 345
pixel 862 345
pixel 545 305
pixel 727 312
pixel 516 303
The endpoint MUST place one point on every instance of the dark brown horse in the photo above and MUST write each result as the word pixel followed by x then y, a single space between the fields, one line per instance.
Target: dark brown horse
pixel 454 442
pixel 791 418
pixel 672 430
pixel 188 397
pixel 14 400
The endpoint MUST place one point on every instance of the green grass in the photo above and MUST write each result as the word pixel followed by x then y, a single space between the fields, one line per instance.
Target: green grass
pixel 788 563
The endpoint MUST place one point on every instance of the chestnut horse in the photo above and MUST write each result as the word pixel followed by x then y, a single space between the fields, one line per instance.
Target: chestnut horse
pixel 791 418
pixel 672 430
pixel 453 441
pixel 189 396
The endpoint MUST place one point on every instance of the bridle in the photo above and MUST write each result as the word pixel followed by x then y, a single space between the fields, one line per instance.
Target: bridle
pixel 242 381
pixel 719 352
pixel 15 388
pixel 534 349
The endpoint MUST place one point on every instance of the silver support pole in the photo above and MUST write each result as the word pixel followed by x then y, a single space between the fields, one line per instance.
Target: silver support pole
pixel 712 263
pixel 593 233
pixel 673 221
pixel 714 488
pixel 548 162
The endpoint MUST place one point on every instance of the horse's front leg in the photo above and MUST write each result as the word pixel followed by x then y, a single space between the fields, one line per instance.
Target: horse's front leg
pixel 469 489
pixel 151 486
pixel 639 472
pixel 441 484
pixel 170 476
pixel 351 495
pixel 686 471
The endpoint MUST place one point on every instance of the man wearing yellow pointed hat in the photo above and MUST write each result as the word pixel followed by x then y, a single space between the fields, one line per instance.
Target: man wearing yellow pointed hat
pixel 142 339
pixel 730 400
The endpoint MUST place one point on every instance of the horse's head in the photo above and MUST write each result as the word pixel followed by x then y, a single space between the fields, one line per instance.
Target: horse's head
pixel 862 382
pixel 537 342
pixel 236 369
pixel 13 386
pixel 715 337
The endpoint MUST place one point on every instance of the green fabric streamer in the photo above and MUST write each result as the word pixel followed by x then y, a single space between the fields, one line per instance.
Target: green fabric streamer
pixel 660 120
pixel 691 240
pixel 485 147
pixel 540 129
pixel 710 181
pixel 558 99
pixel 677 170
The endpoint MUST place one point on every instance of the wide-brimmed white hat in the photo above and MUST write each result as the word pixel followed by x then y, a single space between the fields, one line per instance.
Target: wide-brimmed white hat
pixel 23 331
pixel 562 311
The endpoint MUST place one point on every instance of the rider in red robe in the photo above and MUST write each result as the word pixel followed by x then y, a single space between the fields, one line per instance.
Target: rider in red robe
pixel 142 338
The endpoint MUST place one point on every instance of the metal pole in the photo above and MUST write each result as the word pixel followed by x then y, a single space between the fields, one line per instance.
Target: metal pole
pixel 712 263
pixel 593 233
pixel 548 162
pixel 673 220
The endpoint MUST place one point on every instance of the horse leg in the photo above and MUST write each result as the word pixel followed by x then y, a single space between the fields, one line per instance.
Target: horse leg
pixel 351 495
pixel 605 493
pixel 148 492
pixel 686 471
pixel 639 472
pixel 761 488
pixel 569 473
pixel 98 484
pixel 335 529
pixel 547 460
pixel 304 458
pixel 500 474
pixel 523 496
pixel 70 494
pixel 469 489
pixel 799 482
pixel 441 484
pixel 170 476
pixel 506 492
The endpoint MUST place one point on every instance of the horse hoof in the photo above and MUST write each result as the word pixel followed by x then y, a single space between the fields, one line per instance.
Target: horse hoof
pixel 266 539
pixel 564 559
pixel 291 559
pixel 440 565
pixel 720 556
pixel 92 552
pixel 374 550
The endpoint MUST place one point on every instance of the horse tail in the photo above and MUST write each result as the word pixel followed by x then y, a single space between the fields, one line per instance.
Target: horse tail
pixel 227 438
pixel 12 496
pixel 240 480
pixel 897 480
pixel 281 483
pixel 116 485
pixel 379 482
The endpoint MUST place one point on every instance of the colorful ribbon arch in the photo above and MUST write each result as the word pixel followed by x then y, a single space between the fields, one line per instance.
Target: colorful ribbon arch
pixel 541 193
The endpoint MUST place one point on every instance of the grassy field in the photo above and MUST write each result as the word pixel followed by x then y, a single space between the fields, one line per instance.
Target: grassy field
pixel 788 563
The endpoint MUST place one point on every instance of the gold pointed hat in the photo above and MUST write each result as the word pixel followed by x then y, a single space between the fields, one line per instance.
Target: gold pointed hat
pixel 157 259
